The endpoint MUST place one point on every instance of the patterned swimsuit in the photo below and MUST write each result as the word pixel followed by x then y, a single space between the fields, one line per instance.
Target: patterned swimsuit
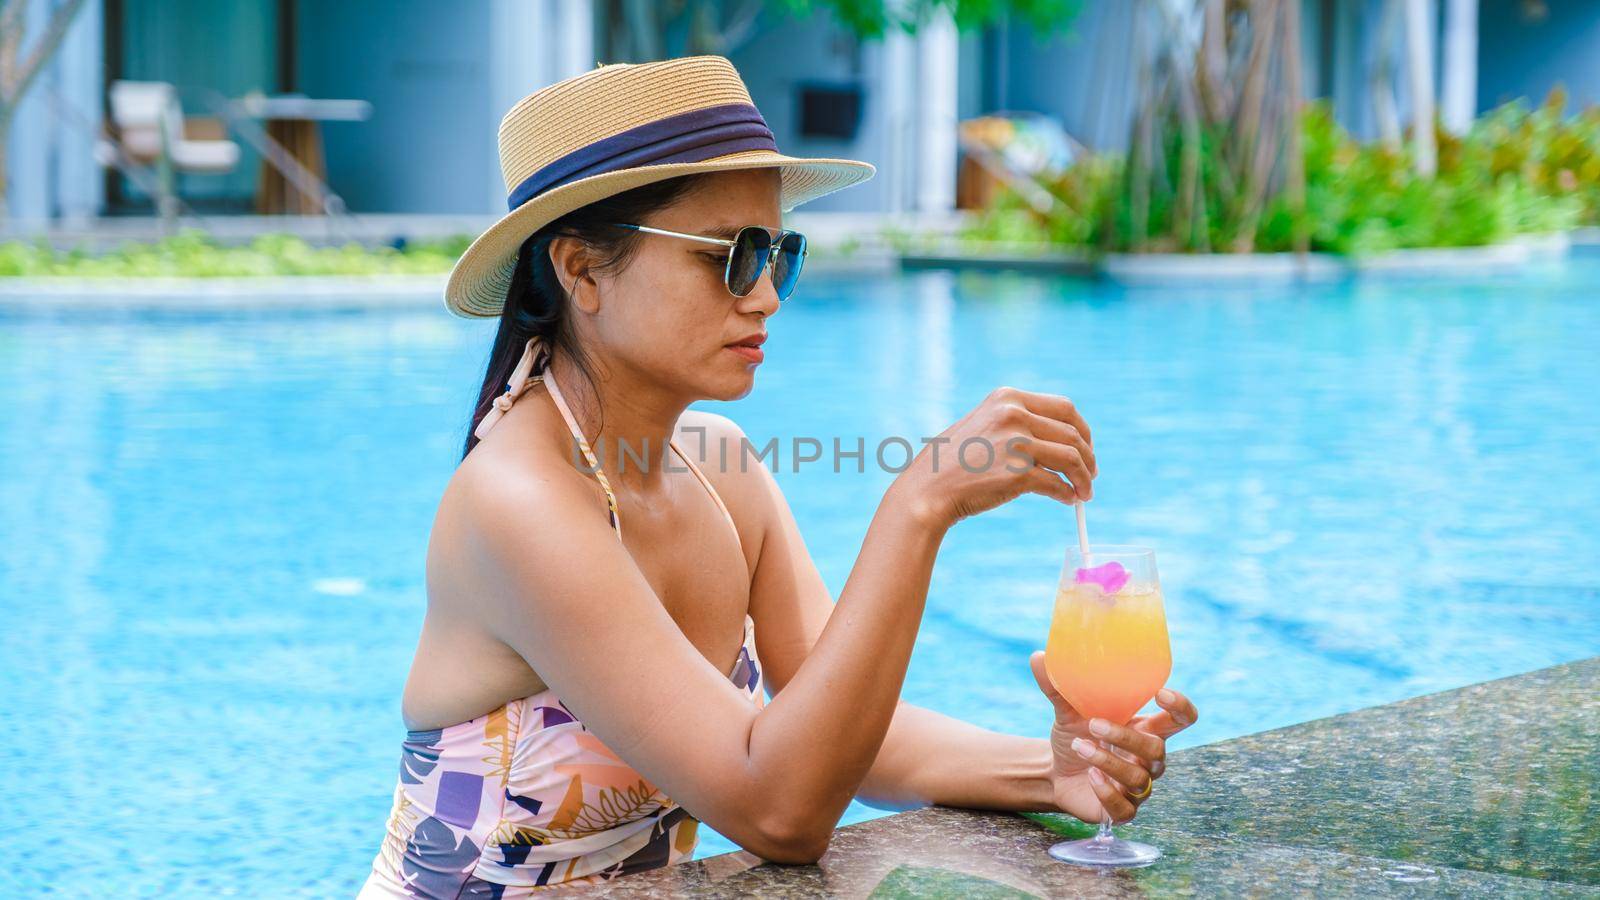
pixel 526 797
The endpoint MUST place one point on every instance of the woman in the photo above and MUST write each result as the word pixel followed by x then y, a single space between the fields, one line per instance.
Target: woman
pixel 583 695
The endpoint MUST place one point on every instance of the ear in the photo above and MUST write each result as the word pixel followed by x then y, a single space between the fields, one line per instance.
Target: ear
pixel 572 261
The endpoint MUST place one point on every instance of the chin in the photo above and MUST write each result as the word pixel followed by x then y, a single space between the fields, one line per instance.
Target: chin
pixel 732 388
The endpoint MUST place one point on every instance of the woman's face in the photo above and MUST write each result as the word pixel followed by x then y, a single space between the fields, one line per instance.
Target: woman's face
pixel 668 316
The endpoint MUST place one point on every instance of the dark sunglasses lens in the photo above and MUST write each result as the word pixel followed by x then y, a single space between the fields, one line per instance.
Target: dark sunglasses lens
pixel 786 268
pixel 748 258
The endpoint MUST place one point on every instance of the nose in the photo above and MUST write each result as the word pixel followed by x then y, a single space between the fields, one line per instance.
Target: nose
pixel 763 298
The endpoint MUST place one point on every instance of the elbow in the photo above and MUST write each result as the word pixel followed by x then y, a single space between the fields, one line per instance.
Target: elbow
pixel 790 839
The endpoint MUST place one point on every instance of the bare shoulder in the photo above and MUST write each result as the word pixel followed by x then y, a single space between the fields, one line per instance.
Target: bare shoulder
pixel 513 489
pixel 699 429
pixel 716 444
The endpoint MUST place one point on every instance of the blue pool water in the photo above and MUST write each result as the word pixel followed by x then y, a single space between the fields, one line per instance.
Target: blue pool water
pixel 212 572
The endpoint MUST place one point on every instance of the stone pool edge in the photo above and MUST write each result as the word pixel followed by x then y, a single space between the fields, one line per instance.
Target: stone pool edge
pixel 1295 827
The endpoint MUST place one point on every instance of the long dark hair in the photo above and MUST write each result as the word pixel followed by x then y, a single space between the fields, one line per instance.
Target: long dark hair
pixel 536 304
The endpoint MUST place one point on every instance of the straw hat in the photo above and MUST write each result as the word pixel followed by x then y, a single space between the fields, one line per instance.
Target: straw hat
pixel 614 128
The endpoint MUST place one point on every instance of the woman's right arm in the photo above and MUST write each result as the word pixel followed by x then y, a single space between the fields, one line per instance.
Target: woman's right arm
pixel 574 604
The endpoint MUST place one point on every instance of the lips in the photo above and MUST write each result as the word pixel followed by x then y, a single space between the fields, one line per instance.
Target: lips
pixel 749 347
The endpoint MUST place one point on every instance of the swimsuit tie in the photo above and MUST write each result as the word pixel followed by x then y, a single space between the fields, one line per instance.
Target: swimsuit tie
pixel 520 380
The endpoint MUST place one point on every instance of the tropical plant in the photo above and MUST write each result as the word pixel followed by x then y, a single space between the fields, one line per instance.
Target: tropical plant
pixel 1553 152
pixel 1516 171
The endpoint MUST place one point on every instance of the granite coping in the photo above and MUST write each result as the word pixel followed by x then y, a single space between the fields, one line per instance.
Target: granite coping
pixel 1486 790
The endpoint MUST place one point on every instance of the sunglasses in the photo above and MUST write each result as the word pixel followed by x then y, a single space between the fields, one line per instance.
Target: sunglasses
pixel 754 248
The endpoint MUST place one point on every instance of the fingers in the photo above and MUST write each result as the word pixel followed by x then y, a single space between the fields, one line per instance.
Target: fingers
pixel 1043 481
pixel 1146 747
pixel 1041 431
pixel 1060 432
pixel 1066 459
pixel 1036 663
pixel 1111 796
pixel 1063 458
pixel 1064 710
pixel 1177 713
pixel 1056 407
pixel 1130 774
pixel 1154 766
pixel 1159 724
pixel 1179 707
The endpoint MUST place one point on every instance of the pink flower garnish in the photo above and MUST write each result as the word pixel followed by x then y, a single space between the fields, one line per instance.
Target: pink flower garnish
pixel 1110 577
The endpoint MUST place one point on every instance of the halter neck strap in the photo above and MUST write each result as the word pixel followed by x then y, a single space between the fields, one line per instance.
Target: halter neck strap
pixel 534 367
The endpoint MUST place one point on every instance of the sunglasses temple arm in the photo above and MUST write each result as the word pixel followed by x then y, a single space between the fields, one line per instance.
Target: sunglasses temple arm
pixel 678 234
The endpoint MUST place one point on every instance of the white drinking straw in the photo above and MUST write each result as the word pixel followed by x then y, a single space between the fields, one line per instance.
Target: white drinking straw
pixel 1083 533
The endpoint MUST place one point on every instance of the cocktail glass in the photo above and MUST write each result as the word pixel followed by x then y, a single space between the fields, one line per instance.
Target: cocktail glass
pixel 1108 654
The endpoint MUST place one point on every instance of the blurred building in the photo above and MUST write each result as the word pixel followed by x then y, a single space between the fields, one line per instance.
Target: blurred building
pixel 439 76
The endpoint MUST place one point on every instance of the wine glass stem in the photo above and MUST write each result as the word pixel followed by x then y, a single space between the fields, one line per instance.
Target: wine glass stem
pixel 1104 834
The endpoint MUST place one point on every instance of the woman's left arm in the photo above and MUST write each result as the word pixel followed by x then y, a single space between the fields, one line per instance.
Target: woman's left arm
pixel 931 758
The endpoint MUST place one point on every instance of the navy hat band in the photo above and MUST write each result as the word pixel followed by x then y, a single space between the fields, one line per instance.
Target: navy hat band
pixel 694 136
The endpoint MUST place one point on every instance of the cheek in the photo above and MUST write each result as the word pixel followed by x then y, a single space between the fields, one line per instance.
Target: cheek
pixel 670 308
pixel 678 310
pixel 706 277
pixel 694 292
pixel 682 278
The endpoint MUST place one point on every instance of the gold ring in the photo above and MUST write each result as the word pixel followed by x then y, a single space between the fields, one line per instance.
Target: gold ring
pixel 1148 785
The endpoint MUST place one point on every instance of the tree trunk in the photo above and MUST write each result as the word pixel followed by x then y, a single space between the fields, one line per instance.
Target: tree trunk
pixel 1380 81
pixel 5 136
pixel 17 71
pixel 1295 178
pixel 1459 93
pixel 1212 71
pixel 1419 66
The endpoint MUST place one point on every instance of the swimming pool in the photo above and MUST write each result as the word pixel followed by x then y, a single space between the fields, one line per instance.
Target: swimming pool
pixel 215 525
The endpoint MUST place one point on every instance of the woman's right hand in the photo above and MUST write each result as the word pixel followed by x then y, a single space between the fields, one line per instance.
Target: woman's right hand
pixel 1014 442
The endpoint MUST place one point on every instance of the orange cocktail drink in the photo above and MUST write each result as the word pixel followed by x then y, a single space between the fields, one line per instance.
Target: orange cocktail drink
pixel 1107 653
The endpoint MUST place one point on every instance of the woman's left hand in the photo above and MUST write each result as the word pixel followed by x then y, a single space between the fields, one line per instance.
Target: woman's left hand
pixel 1092 783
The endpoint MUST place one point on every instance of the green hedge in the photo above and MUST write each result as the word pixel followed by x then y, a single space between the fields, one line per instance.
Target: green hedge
pixel 192 254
